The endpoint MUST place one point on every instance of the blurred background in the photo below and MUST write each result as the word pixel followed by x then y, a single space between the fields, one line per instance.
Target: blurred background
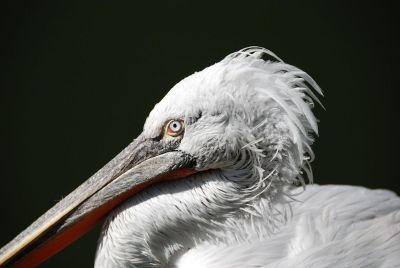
pixel 78 79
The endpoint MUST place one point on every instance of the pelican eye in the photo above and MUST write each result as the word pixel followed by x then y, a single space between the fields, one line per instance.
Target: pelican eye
pixel 174 128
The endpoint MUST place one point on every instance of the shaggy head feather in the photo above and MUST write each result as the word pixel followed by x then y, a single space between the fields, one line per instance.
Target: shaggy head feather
pixel 245 114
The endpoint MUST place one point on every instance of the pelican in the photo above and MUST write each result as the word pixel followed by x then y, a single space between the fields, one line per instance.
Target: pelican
pixel 218 179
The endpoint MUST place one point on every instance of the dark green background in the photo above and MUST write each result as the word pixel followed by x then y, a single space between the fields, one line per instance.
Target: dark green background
pixel 78 79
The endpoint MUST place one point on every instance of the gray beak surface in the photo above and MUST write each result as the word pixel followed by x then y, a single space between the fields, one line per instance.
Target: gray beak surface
pixel 142 163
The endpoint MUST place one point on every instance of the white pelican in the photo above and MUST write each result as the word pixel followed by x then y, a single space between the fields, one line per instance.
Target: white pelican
pixel 217 179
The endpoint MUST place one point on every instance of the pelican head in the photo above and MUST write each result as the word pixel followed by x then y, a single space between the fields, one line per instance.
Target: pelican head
pixel 220 141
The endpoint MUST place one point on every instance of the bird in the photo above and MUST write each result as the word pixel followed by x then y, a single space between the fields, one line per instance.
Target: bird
pixel 221 177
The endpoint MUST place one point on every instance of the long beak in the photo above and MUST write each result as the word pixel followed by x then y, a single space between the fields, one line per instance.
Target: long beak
pixel 142 163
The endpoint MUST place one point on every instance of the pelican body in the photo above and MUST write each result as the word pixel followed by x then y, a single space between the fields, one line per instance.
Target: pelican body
pixel 218 179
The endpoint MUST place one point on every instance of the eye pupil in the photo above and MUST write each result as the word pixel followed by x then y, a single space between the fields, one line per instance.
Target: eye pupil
pixel 175 126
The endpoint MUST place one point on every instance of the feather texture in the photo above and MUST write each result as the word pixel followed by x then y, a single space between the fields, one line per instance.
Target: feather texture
pixel 332 226
pixel 250 126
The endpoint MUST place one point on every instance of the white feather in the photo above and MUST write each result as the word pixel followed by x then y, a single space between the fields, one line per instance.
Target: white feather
pixel 249 123
pixel 332 226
